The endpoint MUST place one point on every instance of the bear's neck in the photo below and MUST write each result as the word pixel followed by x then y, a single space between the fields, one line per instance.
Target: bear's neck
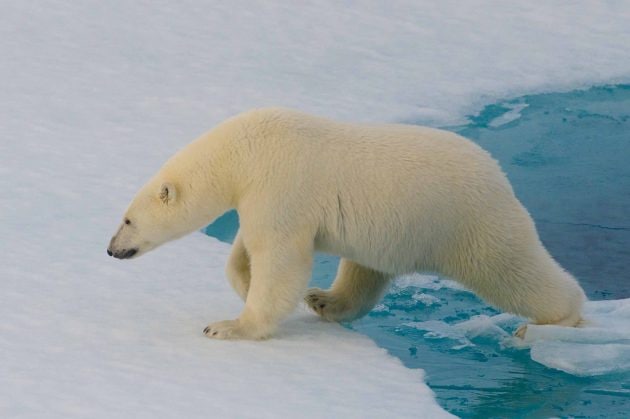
pixel 207 170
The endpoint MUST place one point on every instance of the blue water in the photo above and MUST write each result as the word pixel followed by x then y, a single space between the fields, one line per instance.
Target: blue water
pixel 567 156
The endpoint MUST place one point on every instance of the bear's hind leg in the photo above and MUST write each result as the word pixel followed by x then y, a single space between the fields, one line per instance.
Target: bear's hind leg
pixel 238 268
pixel 573 320
pixel 532 285
pixel 355 291
pixel 549 295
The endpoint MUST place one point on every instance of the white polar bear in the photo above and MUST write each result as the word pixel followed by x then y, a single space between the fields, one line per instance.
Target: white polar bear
pixel 388 199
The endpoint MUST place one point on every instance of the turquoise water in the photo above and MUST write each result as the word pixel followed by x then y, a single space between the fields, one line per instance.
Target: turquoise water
pixel 567 156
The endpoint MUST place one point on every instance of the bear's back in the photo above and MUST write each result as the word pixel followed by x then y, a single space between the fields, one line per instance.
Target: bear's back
pixel 328 150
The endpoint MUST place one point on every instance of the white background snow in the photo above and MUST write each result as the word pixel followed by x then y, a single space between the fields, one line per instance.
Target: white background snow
pixel 94 96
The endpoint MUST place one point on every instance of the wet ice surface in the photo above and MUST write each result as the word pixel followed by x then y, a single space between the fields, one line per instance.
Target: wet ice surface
pixel 565 155
pixel 478 369
pixel 601 347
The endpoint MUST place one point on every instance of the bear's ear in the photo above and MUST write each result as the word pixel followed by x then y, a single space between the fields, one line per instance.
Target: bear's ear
pixel 167 193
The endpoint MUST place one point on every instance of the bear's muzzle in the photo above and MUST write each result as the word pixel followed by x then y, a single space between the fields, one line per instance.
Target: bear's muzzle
pixel 122 254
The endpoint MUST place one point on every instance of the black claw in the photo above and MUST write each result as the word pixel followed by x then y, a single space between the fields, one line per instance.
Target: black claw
pixel 214 333
pixel 206 330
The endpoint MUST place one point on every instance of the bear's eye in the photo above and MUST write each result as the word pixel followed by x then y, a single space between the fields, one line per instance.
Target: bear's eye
pixel 127 221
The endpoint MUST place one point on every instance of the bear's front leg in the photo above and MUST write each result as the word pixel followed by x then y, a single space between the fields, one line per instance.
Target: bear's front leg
pixel 228 329
pixel 279 275
pixel 238 268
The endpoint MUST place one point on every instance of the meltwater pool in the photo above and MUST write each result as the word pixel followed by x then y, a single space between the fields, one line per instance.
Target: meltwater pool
pixel 568 158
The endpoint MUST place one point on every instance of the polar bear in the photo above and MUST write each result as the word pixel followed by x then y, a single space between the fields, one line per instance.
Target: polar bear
pixel 388 199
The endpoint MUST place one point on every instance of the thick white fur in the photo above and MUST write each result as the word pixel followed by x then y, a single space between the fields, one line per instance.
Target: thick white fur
pixel 388 199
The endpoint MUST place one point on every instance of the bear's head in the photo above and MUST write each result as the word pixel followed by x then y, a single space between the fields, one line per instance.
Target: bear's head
pixel 192 189
pixel 155 216
pixel 163 211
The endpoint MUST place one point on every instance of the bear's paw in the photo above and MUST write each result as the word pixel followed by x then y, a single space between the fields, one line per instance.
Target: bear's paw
pixel 229 329
pixel 328 306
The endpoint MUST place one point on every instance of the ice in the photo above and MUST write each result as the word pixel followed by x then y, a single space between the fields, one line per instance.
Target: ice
pixel 380 309
pixel 96 95
pixel 426 282
pixel 583 359
pixel 426 299
pixel 602 346
pixel 513 113
pixel 464 332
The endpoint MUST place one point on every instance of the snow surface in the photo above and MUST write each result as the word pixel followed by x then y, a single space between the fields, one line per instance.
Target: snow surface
pixel 96 95
pixel 106 339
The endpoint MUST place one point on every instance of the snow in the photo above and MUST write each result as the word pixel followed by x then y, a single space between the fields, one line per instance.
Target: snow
pixel 96 95
pixel 84 336
pixel 420 61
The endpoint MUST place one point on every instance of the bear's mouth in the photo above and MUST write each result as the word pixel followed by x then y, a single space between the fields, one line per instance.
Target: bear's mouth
pixel 123 254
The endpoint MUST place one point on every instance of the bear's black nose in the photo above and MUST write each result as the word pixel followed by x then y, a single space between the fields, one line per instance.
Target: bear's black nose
pixel 109 252
pixel 125 253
